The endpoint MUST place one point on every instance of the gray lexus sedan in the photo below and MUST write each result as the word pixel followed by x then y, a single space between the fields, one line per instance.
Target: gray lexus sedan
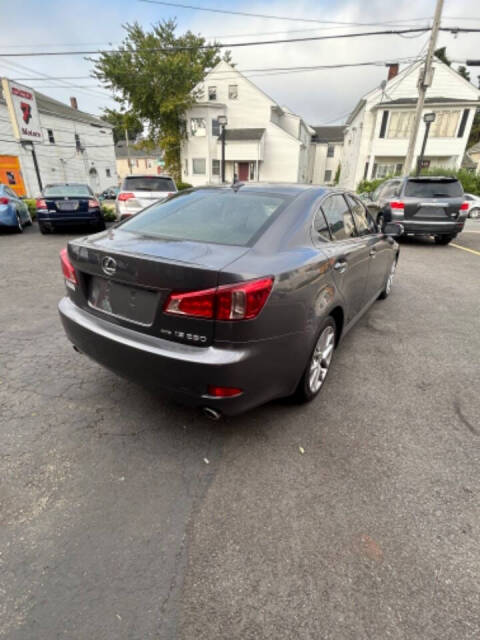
pixel 228 297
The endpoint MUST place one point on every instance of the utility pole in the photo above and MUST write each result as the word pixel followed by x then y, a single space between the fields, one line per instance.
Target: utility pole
pixel 424 81
pixel 128 152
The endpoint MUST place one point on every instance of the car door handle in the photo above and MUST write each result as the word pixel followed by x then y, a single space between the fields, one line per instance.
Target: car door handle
pixel 340 266
pixel 372 252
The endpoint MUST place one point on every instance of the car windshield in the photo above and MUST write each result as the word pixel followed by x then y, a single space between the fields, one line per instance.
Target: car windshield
pixel 221 216
pixel 148 183
pixel 434 189
pixel 67 190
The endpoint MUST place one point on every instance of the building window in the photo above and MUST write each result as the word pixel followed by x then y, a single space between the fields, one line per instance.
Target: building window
pixel 382 170
pixel 215 167
pixel 199 166
pixel 400 124
pixel 445 124
pixel 215 127
pixel 108 173
pixel 328 175
pixel 185 170
pixel 383 126
pixel 232 91
pixel 51 137
pixel 330 151
pixel 198 127
pixel 463 123
pixel 212 93
pixel 78 145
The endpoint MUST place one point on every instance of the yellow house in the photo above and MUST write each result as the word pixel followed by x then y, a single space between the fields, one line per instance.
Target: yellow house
pixel 141 161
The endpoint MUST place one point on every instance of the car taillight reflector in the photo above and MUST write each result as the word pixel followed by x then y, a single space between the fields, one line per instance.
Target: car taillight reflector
pixel 223 392
pixel 4 200
pixel 464 206
pixel 67 267
pixel 125 196
pixel 92 204
pixel 395 204
pixel 41 204
pixel 231 302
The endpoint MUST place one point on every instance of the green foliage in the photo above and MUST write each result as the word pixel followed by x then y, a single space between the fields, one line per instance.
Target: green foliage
pixel 156 83
pixel 337 174
pixel 123 121
pixel 32 206
pixel 108 213
pixel 474 136
pixel 367 186
pixel 441 54
pixel 463 72
pixel 183 185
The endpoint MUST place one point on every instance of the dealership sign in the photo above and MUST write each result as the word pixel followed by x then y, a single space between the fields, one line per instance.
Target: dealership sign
pixel 22 107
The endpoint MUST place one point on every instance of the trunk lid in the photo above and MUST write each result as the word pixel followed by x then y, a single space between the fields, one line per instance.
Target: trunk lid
pixel 432 199
pixel 126 278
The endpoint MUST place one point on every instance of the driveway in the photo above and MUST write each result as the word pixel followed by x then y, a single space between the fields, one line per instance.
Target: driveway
pixel 125 516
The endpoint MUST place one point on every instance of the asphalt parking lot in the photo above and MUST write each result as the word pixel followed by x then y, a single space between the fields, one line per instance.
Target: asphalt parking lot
pixel 124 516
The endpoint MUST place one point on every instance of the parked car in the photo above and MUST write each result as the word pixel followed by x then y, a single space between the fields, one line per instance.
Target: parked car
pixel 424 205
pixel 473 205
pixel 14 212
pixel 228 297
pixel 109 194
pixel 140 191
pixel 68 204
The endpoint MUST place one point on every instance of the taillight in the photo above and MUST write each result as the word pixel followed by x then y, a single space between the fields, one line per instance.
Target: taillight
pixel 67 268
pixel 93 204
pixel 41 204
pixel 223 392
pixel 231 302
pixel 397 206
pixel 4 200
pixel 464 206
pixel 125 196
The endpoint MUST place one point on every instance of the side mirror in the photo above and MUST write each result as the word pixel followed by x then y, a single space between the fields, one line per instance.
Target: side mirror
pixel 393 229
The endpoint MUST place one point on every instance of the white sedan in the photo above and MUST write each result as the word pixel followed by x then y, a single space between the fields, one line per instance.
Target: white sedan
pixel 473 205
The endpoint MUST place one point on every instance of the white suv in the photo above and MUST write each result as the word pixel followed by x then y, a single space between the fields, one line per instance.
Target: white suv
pixel 140 191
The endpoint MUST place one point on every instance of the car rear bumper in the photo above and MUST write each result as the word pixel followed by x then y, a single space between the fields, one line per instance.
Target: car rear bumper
pixel 53 219
pixel 263 370
pixel 430 227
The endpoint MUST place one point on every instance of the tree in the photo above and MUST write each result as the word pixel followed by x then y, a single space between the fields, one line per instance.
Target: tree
pixel 121 121
pixel 154 75
pixel 441 54
pixel 464 72
pixel 474 136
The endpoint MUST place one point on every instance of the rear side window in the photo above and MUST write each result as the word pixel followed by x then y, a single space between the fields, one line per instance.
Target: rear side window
pixel 339 217
pixel 148 183
pixel 434 189
pixel 220 216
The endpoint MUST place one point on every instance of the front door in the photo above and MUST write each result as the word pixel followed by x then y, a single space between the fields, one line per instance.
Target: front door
pixel 243 171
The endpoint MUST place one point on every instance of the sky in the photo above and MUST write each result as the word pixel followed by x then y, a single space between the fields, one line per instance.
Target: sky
pixel 321 97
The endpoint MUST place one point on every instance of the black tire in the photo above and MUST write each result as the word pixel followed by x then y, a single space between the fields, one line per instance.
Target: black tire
pixel 43 229
pixel 388 283
pixel 19 227
pixel 304 392
pixel 101 226
pixel 474 213
pixel 444 239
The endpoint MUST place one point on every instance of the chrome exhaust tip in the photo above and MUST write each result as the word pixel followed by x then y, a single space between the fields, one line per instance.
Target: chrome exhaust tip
pixel 211 414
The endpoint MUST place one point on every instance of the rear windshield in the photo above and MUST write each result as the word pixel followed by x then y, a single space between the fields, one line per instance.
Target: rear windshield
pixel 67 190
pixel 148 183
pixel 224 217
pixel 434 189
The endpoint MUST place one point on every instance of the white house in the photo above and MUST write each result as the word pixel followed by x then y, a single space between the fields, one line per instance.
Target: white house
pixel 76 147
pixel 327 153
pixel 377 130
pixel 264 141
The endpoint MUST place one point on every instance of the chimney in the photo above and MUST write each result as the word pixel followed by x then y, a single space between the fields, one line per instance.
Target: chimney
pixel 74 103
pixel 392 70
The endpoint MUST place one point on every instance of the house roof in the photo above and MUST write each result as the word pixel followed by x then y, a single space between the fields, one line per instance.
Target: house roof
pixel 329 134
pixel 432 100
pixel 359 106
pixel 244 134
pixel 54 107
pixel 135 151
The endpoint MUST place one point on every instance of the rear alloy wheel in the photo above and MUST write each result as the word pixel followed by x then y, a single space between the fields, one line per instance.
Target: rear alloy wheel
pixel 19 226
pixel 474 213
pixel 388 285
pixel 319 362
pixel 444 239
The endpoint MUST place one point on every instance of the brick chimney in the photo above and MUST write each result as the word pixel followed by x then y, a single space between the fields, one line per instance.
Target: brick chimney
pixel 392 70
pixel 74 103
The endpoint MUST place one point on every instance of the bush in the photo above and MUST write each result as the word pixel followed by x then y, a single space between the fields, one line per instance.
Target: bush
pixel 108 213
pixel 367 186
pixel 183 185
pixel 32 206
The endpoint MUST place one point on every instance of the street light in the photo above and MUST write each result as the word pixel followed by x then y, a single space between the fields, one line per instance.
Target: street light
pixel 223 121
pixel 428 118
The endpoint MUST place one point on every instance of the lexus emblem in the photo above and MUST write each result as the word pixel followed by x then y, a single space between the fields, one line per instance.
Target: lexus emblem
pixel 109 265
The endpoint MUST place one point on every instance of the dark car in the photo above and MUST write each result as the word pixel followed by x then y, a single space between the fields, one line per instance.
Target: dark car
pixel 14 212
pixel 425 205
pixel 228 297
pixel 68 204
pixel 109 194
